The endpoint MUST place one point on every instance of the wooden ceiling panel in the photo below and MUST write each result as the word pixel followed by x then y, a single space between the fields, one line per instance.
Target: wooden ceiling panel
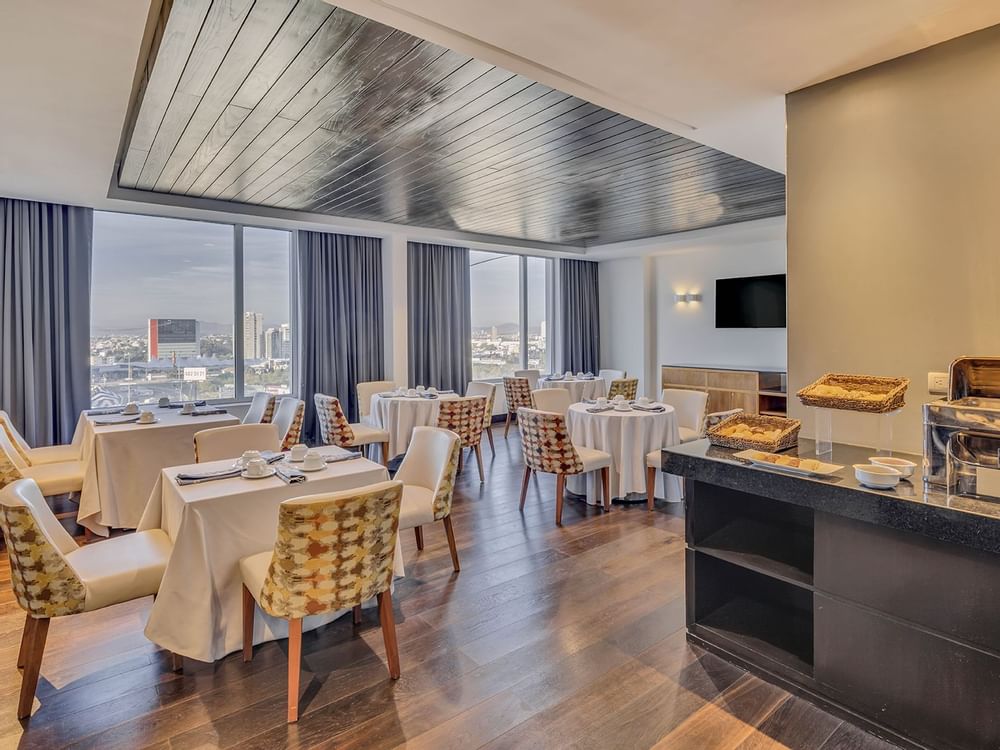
pixel 298 105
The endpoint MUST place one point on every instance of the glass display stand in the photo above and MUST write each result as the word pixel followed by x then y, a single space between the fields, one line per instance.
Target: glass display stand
pixel 824 431
pixel 885 421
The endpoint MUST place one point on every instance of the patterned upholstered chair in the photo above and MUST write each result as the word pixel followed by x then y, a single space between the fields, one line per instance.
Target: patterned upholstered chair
pixel 626 387
pixel 555 400
pixel 464 417
pixel 518 394
pixel 428 475
pixel 333 551
pixel 547 448
pixel 479 388
pixel 335 430
pixel 53 478
pixel 288 418
pixel 53 577
pixel 50 454
pixel 218 443
pixel 533 377
pixel 368 389
pixel 261 409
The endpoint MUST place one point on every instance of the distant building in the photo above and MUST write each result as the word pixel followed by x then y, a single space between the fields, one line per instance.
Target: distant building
pixel 286 341
pixel 253 335
pixel 173 337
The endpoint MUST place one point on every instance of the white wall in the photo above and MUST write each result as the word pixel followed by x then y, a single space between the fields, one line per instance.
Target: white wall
pixel 623 317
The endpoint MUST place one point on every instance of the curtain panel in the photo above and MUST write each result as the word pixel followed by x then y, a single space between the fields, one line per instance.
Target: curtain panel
pixel 45 252
pixel 338 288
pixel 580 329
pixel 440 316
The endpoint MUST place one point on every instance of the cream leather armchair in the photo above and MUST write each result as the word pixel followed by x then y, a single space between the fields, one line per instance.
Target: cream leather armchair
pixel 218 443
pixel 49 454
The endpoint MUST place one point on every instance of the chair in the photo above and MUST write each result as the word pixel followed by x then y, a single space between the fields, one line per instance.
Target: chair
pixel 53 577
pixel 428 475
pixel 335 430
pixel 518 394
pixel 626 387
pixel 49 454
pixel 368 389
pixel 261 406
pixel 531 375
pixel 218 443
pixel 689 407
pixel 547 448
pixel 464 417
pixel 333 551
pixel 554 400
pixel 608 375
pixel 481 388
pixel 53 479
pixel 288 419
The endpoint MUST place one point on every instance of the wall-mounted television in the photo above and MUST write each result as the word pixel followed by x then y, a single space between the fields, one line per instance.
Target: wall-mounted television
pixel 750 302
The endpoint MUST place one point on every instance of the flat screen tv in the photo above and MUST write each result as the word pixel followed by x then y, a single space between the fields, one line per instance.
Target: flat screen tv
pixel 750 302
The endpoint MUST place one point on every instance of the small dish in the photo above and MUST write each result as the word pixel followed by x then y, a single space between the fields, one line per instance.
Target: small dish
pixel 271 471
pixel 877 477
pixel 303 467
pixel 904 467
pixel 623 407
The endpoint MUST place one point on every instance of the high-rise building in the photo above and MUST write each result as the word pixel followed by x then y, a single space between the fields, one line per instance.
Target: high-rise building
pixel 272 343
pixel 253 335
pixel 286 341
pixel 173 337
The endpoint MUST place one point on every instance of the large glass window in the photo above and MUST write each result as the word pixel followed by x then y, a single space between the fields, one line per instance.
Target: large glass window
pixel 163 309
pixel 536 324
pixel 266 326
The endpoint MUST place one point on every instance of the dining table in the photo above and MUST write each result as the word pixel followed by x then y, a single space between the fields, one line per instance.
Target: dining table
pixel 122 460
pixel 628 434
pixel 398 414
pixel 580 389
pixel 213 525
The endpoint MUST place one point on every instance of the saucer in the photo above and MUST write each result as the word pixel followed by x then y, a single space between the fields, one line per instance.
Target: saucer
pixel 315 468
pixel 271 471
pixel 154 420
pixel 293 460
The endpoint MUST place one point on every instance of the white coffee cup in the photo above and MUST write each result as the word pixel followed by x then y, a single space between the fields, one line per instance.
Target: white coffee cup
pixel 299 451
pixel 187 408
pixel 420 389
pixel 313 460
pixel 400 391
pixel 579 374
pixel 567 374
pixel 602 401
pixel 618 399
pixel 412 392
pixel 164 402
pixel 146 417
pixel 257 467
pixel 643 400
pixel 131 408
pixel 249 456
pixel 432 390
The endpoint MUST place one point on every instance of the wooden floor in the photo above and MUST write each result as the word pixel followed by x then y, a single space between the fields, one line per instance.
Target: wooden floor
pixel 549 637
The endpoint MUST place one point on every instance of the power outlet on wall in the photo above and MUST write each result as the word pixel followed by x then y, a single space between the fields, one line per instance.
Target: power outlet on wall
pixel 937 383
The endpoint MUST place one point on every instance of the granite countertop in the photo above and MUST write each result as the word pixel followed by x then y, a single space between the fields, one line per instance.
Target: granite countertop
pixel 908 507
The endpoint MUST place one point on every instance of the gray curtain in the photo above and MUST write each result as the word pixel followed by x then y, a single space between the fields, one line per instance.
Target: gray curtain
pixel 45 252
pixel 581 329
pixel 338 280
pixel 440 316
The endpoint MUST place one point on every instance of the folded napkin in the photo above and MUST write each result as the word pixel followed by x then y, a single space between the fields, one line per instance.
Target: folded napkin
pixel 181 406
pixel 440 393
pixel 126 420
pixel 428 395
pixel 333 459
pixel 184 478
pixel 656 409
pixel 599 409
pixel 289 476
pixel 104 412
pixel 207 412
pixel 387 394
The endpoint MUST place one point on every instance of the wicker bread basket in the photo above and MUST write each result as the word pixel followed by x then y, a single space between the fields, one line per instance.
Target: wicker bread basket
pixel 889 390
pixel 788 437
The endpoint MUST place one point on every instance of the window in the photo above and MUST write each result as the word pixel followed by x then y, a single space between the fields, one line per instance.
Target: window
pixel 163 308
pixel 509 311
pixel 267 331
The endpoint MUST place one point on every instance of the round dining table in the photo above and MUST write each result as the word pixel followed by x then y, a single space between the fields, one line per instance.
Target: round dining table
pixel 398 415
pixel 628 436
pixel 580 389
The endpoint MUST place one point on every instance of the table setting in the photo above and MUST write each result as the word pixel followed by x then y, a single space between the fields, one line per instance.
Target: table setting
pixel 399 411
pixel 581 386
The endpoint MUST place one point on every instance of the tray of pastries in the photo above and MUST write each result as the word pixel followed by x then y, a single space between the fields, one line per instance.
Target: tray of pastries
pixel 810 467
pixel 870 393
pixel 755 431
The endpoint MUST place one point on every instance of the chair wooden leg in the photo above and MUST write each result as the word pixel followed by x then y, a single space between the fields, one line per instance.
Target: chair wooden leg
pixel 606 481
pixel 489 435
pixel 294 667
pixel 248 614
pixel 388 621
pixel 506 427
pixel 560 488
pixel 26 636
pixel 32 665
pixel 418 532
pixel 478 448
pixel 357 614
pixel 650 487
pixel 524 486
pixel 176 662
pixel 461 459
pixel 451 542
pixel 385 455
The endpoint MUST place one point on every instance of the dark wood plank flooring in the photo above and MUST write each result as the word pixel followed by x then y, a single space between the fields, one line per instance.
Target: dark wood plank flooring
pixel 549 637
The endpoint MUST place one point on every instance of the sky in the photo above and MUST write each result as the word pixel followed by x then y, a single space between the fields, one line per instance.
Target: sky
pixel 495 292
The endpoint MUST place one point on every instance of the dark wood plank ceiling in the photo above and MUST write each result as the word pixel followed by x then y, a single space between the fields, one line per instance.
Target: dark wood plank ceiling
pixel 299 105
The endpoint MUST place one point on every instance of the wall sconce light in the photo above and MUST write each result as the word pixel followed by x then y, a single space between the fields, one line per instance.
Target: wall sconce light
pixel 689 297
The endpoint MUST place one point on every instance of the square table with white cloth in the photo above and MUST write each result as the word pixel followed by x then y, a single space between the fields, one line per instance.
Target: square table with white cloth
pixel 121 462
pixel 579 388
pixel 628 436
pixel 213 525
pixel 398 415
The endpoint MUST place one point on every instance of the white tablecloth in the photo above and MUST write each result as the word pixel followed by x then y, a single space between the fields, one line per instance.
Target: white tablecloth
pixel 579 389
pixel 122 463
pixel 628 437
pixel 398 415
pixel 198 610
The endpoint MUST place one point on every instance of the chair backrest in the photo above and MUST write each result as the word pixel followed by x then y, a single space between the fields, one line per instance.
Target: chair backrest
pixel 689 406
pixel 333 550
pixel 481 388
pixel 545 443
pixel 10 459
pixel 464 417
pixel 44 582
pixel 262 405
pixel 626 387
pixel 288 419
pixel 368 389
pixel 555 400
pixel 531 375
pixel 608 375
pixel 20 444
pixel 334 429
pixel 431 461
pixel 218 443
pixel 517 392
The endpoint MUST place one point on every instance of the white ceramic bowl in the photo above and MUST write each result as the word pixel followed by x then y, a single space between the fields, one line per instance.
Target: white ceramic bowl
pixel 877 477
pixel 904 467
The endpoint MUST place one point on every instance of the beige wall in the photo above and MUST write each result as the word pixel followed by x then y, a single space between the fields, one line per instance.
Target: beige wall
pixel 894 224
